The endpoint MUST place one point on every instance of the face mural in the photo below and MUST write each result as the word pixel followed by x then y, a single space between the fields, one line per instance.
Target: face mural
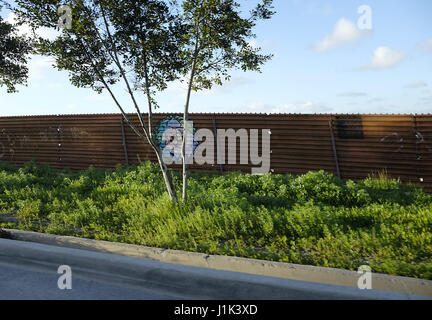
pixel 168 133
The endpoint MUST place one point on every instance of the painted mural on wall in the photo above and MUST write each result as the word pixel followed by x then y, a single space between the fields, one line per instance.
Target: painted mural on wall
pixel 168 133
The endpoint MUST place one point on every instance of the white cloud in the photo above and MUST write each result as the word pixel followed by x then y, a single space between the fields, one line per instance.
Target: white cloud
pixel 426 45
pixel 25 29
pixel 38 67
pixel 180 88
pixel 374 100
pixel 416 84
pixel 345 32
pixel 53 85
pixel 384 58
pixel 227 86
pixel 253 44
pixel 97 97
pixel 305 107
pixel 352 94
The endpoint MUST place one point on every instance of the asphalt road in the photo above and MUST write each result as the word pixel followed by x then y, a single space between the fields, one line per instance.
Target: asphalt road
pixel 18 283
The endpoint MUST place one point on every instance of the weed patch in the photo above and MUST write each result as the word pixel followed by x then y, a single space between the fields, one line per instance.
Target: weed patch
pixel 315 218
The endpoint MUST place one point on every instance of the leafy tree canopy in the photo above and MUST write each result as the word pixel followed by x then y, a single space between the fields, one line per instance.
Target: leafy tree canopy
pixel 147 44
pixel 153 41
pixel 14 52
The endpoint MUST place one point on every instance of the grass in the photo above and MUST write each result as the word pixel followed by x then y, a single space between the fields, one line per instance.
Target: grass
pixel 315 218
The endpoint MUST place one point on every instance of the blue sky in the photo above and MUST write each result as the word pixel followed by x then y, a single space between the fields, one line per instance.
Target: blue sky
pixel 324 63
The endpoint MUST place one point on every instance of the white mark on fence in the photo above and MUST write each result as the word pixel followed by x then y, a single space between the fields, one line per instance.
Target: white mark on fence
pixel 11 142
pixel 51 134
pixel 2 150
pixel 395 138
pixel 77 132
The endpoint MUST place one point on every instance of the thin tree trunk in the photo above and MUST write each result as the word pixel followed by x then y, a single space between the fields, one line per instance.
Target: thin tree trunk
pixel 165 171
pixel 167 178
pixel 185 120
pixel 147 131
pixel 186 116
pixel 145 136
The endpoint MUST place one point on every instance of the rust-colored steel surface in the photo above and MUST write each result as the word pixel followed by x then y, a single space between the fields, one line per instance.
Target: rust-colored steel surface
pixel 354 145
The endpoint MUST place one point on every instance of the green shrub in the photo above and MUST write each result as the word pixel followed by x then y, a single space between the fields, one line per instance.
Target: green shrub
pixel 314 218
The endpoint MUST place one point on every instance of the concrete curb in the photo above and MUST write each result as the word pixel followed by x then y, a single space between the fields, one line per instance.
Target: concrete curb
pixel 333 276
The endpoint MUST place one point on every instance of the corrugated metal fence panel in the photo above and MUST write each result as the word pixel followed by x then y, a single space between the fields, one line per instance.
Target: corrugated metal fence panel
pixel 423 127
pixel 371 143
pixel 361 144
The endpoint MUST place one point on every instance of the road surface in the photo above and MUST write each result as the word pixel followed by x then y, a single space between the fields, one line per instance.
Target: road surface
pixel 18 283
pixel 29 270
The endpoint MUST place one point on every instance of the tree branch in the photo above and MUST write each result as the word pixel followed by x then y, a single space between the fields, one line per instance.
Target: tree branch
pixel 101 79
pixel 150 112
pixel 118 63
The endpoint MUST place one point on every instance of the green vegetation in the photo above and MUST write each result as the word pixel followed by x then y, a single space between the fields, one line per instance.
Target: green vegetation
pixel 314 218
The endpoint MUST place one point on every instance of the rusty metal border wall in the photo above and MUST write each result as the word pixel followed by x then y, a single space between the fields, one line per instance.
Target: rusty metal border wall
pixel 349 145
